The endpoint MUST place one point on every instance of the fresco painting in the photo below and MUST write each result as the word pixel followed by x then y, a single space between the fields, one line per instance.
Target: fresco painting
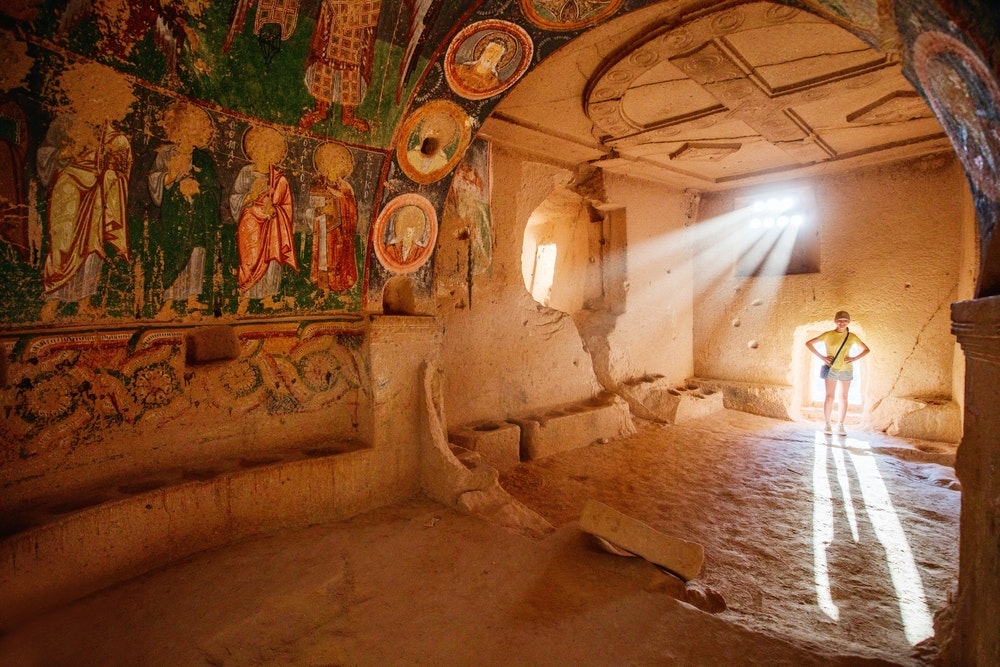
pixel 133 193
pixel 341 59
pixel 964 96
pixel 163 169
pixel 184 184
pixel 14 228
pixel 568 14
pixel 861 15
pixel 242 54
pixel 66 390
pixel 334 212
pixel 434 139
pixel 486 58
pixel 405 233
pixel 137 215
pixel 469 200
pixel 262 204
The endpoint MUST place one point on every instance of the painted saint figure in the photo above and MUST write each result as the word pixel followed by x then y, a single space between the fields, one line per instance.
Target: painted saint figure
pixel 334 212
pixel 433 144
pixel 470 199
pixel 184 184
pixel 88 176
pixel 480 75
pixel 341 58
pixel 406 235
pixel 261 203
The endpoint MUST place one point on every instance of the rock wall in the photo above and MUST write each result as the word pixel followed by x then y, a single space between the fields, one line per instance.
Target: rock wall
pixel 503 353
pixel 507 355
pixel 895 246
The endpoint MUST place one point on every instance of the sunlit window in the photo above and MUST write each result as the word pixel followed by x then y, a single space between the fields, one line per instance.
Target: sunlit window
pixel 543 273
pixel 779 233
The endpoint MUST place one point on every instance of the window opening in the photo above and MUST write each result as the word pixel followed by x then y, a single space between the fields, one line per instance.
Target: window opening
pixel 779 234
pixel 543 273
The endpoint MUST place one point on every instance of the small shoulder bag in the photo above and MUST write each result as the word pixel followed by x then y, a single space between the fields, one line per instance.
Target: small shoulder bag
pixel 824 370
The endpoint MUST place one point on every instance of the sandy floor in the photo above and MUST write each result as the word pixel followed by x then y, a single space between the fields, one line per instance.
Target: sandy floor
pixel 827 551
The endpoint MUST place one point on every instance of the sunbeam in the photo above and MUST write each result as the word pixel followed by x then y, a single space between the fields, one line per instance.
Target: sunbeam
pixel 822 529
pixel 906 581
pixel 845 490
pixel 917 621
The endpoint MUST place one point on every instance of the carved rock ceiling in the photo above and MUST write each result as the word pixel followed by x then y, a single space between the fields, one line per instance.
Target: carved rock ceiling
pixel 750 94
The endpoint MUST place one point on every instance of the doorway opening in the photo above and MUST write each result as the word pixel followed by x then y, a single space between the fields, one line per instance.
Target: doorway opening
pixel 809 390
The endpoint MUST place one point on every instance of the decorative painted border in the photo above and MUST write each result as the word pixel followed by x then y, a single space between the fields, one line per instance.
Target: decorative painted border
pixel 549 16
pixel 965 97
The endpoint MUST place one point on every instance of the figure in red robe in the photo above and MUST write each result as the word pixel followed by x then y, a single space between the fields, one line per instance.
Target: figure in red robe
pixel 262 205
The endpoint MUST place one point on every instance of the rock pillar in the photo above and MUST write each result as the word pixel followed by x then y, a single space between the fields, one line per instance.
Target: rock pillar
pixel 399 349
pixel 975 637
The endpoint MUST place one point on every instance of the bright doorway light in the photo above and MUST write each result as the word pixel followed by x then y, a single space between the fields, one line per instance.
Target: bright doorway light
pixel 543 273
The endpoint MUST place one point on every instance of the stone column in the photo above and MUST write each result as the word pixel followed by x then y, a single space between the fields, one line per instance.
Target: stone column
pixel 399 349
pixel 975 637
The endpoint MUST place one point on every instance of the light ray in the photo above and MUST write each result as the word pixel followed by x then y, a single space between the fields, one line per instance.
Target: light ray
pixel 845 489
pixel 918 624
pixel 822 529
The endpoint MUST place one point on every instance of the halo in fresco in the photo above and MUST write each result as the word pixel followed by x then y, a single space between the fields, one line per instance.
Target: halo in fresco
pixel 486 58
pixel 961 90
pixel 405 233
pixel 568 14
pixel 433 140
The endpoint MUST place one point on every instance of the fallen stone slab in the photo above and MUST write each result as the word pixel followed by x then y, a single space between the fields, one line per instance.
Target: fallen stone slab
pixel 679 556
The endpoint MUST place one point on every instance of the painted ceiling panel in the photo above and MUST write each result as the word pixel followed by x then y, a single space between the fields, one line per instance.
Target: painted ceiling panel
pixel 666 102
pixel 759 75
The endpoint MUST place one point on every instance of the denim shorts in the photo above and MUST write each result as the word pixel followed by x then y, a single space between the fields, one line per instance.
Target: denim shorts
pixel 843 376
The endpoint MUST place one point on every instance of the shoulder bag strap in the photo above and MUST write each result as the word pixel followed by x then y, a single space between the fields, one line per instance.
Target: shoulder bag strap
pixel 841 347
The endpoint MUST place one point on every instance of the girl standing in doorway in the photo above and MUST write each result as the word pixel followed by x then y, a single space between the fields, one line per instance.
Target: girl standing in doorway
pixel 838 343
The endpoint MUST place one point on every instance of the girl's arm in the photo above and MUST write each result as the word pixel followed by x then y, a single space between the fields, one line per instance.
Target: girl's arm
pixel 864 350
pixel 811 344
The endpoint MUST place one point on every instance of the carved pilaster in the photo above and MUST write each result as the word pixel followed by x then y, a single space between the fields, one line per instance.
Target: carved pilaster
pixel 399 347
pixel 975 639
pixel 976 325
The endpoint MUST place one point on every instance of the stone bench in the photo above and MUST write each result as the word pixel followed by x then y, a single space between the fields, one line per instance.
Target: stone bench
pixel 652 398
pixel 573 426
pixel 497 442
pixel 69 547
pixel 504 443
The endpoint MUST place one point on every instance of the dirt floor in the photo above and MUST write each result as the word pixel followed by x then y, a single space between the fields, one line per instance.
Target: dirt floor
pixel 826 550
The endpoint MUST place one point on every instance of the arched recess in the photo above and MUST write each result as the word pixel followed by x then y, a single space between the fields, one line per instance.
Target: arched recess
pixel 563 253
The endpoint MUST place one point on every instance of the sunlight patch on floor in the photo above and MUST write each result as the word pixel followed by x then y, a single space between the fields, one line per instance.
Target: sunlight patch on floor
pixel 916 617
pixel 822 529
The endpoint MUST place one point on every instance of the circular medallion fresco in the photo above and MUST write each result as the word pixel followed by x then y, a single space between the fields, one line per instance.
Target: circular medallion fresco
pixel 405 233
pixel 433 140
pixel 486 58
